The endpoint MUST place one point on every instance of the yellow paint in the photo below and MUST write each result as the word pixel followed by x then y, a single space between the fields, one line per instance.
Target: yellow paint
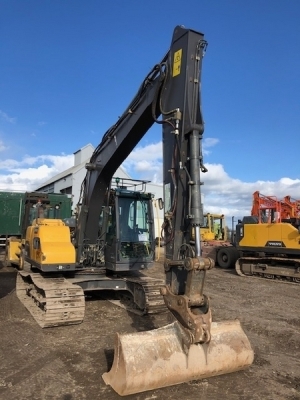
pixel 177 62
pixel 257 235
pixel 13 250
pixel 49 242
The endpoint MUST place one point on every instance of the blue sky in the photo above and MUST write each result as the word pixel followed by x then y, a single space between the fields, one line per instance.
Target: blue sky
pixel 69 68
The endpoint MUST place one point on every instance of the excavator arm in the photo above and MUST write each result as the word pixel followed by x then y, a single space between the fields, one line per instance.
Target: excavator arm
pixel 182 163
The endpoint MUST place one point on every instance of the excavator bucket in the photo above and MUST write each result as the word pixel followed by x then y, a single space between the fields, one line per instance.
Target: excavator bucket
pixel 154 359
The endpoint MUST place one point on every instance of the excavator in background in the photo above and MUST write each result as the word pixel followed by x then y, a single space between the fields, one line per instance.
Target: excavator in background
pixel 271 209
pixel 266 243
pixel 292 208
pixel 113 255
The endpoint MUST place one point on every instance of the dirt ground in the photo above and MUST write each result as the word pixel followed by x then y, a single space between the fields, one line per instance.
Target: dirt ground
pixel 67 363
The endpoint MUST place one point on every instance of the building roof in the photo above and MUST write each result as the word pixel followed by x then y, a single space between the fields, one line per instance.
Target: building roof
pixel 87 145
pixel 71 171
pixel 63 174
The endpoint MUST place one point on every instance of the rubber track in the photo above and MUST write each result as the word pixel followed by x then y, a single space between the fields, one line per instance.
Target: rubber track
pixel 51 301
pixel 265 275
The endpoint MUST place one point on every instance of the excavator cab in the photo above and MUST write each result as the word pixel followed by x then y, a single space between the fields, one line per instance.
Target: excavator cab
pixel 128 226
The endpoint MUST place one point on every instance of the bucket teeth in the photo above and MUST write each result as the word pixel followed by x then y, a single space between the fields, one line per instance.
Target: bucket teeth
pixel 154 359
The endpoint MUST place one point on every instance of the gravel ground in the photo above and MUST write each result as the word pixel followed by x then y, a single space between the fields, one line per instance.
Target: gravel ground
pixel 67 363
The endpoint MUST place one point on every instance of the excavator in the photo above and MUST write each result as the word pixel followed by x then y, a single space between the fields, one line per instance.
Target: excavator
pixel 113 254
pixel 268 241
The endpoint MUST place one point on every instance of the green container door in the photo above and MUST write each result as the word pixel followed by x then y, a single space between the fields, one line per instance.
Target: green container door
pixel 11 213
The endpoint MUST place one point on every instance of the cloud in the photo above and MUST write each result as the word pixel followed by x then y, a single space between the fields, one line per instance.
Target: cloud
pixel 2 146
pixel 145 161
pixel 32 172
pixel 7 118
pixel 209 142
pixel 221 193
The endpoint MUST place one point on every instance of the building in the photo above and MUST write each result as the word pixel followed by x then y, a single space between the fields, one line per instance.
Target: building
pixel 69 182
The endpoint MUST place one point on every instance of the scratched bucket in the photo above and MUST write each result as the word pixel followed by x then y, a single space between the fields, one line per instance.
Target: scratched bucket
pixel 154 359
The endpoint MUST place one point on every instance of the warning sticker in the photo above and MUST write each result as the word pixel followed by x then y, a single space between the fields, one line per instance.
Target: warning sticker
pixel 177 62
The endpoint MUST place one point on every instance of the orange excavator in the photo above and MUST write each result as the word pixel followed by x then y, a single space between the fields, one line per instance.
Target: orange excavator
pixel 271 209
pixel 292 208
pixel 266 208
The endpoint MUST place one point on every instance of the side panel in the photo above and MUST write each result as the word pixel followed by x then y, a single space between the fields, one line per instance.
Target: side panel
pixel 270 235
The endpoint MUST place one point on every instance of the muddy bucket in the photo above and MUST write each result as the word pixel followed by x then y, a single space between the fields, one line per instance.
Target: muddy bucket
pixel 154 359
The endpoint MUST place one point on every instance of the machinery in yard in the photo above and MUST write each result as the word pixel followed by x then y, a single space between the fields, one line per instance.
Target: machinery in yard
pixel 113 255
pixel 292 207
pixel 270 250
pixel 215 243
pixel 213 228
pixel 19 209
pixel 266 243
pixel 271 209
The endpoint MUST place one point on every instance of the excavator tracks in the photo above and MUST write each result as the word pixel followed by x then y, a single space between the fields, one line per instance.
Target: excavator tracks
pixel 276 268
pixel 150 288
pixel 51 301
pixel 56 301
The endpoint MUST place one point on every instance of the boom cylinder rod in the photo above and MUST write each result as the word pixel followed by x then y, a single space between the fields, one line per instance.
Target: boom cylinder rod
pixel 195 187
pixel 197 241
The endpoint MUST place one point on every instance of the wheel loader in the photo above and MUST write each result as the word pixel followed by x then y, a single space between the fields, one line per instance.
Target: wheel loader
pixel 114 255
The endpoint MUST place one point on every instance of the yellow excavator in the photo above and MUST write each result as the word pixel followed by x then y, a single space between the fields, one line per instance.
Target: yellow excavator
pixel 114 254
pixel 266 243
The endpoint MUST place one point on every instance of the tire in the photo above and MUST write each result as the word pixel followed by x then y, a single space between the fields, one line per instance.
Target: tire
pixel 226 257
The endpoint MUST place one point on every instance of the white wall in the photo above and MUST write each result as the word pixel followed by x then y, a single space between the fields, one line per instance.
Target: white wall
pixel 63 184
pixel 76 178
pixel 83 154
pixel 157 191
